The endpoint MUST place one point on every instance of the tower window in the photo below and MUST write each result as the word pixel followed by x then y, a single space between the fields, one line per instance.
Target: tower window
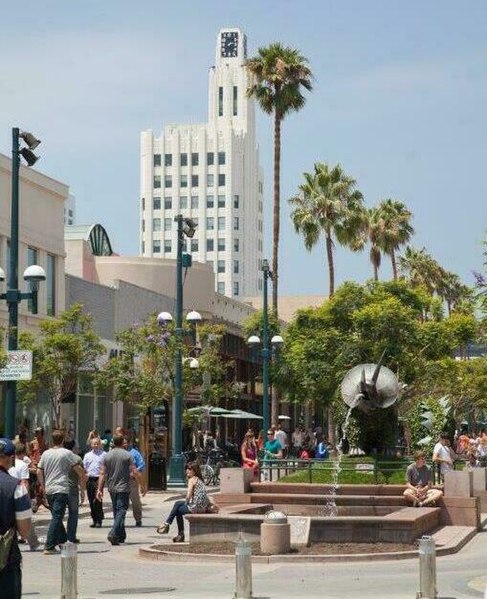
pixel 210 158
pixel 156 203
pixel 220 101
pixel 195 159
pixel 221 158
pixel 235 100
pixel 221 180
pixel 167 159
pixel 184 160
pixel 157 160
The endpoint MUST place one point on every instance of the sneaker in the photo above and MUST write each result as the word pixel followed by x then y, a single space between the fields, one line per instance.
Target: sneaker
pixel 51 552
pixel 138 523
pixel 35 546
pixel 420 504
pixel 178 539
pixel 94 525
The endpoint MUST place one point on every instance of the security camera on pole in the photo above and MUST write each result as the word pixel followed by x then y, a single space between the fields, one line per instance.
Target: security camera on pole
pixel 33 274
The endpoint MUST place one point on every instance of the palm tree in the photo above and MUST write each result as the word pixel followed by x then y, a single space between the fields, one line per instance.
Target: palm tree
pixel 397 228
pixel 328 203
pixel 376 238
pixel 420 269
pixel 279 75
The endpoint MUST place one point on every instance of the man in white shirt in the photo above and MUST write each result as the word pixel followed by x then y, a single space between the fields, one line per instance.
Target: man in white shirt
pixel 442 455
pixel 281 436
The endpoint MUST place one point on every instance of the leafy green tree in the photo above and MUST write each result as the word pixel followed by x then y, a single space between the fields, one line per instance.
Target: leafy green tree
pixel 142 374
pixel 65 346
pixel 279 75
pixel 329 204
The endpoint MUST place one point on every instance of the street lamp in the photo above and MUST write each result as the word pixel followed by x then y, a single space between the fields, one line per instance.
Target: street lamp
pixel 186 228
pixel 33 274
pixel 176 461
pixel 267 347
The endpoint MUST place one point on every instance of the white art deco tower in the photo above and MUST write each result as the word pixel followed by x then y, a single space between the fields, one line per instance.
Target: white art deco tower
pixel 210 172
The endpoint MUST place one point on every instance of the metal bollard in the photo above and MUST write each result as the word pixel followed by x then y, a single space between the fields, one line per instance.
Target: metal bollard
pixel 69 571
pixel 427 568
pixel 243 570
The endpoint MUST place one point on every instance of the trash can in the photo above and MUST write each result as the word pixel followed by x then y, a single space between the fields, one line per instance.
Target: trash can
pixel 157 472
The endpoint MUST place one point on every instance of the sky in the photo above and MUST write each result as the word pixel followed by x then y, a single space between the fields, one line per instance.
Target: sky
pixel 399 100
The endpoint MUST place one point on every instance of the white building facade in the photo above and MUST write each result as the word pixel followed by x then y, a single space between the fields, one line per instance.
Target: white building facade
pixel 210 172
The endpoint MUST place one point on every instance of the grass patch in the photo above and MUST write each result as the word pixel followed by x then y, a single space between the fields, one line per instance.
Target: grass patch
pixel 353 471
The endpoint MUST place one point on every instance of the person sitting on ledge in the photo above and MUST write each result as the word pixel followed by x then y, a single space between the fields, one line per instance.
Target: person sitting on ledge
pixel 418 486
pixel 196 502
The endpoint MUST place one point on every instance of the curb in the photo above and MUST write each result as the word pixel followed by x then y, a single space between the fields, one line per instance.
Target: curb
pixel 159 554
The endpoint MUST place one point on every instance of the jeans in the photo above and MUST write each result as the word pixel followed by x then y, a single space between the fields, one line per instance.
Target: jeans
pixel 57 533
pixel 179 509
pixel 73 510
pixel 96 507
pixel 11 582
pixel 120 504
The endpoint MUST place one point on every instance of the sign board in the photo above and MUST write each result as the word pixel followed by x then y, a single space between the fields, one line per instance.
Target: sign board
pixel 365 467
pixel 18 366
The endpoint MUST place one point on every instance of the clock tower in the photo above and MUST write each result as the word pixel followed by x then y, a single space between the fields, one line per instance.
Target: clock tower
pixel 229 80
pixel 210 172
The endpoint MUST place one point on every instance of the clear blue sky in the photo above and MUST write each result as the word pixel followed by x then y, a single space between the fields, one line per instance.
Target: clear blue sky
pixel 400 101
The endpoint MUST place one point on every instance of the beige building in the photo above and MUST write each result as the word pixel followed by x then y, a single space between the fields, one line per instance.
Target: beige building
pixel 41 237
pixel 288 305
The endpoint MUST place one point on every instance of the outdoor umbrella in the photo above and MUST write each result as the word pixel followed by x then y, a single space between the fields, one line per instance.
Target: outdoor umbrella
pixel 210 410
pixel 241 414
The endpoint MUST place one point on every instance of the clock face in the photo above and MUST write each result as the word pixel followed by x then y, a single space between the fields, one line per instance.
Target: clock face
pixel 229 44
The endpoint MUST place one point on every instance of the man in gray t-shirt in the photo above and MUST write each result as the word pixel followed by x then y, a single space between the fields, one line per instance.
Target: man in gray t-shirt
pixel 418 483
pixel 53 473
pixel 116 471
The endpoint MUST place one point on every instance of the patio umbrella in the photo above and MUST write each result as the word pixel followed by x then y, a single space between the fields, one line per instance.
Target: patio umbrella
pixel 210 410
pixel 241 415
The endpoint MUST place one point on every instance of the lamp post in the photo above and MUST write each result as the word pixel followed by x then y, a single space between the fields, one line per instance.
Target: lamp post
pixel 33 274
pixel 267 347
pixel 185 228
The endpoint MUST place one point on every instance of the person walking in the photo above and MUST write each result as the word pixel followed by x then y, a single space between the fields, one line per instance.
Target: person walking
pixel 20 470
pixel 15 518
pixel 76 495
pixel 196 502
pixel 92 463
pixel 136 489
pixel 36 448
pixel 53 473
pixel 116 471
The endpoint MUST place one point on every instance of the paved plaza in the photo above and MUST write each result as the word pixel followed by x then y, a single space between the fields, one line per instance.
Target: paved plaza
pixel 115 572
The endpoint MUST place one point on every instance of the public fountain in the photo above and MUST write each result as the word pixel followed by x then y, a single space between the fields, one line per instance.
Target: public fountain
pixel 366 387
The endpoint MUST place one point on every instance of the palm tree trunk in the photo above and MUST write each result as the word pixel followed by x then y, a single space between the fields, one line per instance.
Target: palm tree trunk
pixel 376 272
pixel 394 265
pixel 331 266
pixel 277 223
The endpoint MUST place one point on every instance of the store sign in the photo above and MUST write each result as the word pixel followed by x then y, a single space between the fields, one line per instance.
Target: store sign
pixel 18 366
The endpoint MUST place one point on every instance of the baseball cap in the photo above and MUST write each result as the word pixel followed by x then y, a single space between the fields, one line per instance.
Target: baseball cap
pixel 6 447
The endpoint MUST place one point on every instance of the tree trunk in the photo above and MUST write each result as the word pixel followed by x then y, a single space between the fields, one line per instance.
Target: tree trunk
pixel 394 265
pixel 331 266
pixel 376 272
pixel 277 223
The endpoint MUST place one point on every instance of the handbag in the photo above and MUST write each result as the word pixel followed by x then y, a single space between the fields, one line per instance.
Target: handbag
pixel 6 546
